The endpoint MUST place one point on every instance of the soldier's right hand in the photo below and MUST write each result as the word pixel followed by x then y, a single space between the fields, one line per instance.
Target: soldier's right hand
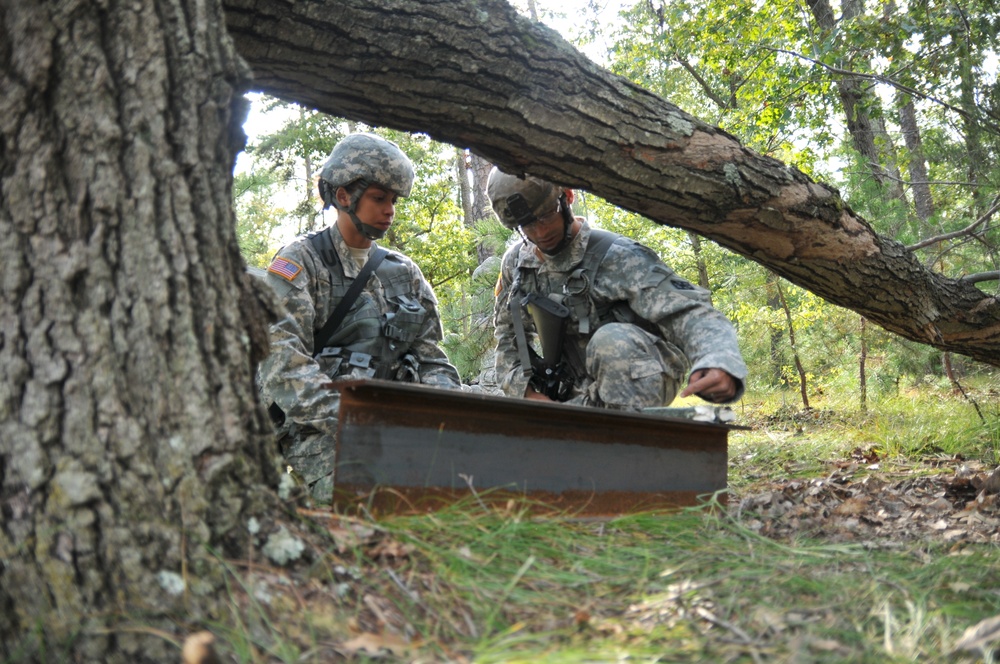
pixel 535 395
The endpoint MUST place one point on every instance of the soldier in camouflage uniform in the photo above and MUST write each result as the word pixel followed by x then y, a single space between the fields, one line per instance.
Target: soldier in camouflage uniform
pixel 391 331
pixel 635 330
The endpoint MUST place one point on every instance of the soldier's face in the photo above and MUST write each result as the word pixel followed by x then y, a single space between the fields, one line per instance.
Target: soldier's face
pixel 377 207
pixel 547 231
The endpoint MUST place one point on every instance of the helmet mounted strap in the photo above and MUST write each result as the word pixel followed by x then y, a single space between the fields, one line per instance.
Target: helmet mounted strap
pixel 358 189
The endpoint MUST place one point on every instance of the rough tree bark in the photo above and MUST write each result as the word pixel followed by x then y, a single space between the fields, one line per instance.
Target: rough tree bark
pixel 478 75
pixel 131 437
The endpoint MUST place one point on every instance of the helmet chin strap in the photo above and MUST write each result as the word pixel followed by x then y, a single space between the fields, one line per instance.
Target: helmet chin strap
pixel 370 232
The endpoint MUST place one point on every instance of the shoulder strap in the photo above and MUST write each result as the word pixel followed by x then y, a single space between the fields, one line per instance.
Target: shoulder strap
pixel 597 246
pixel 323 246
pixel 337 317
pixel 580 278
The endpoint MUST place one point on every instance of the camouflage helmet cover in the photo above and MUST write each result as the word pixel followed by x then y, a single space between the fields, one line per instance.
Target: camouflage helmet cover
pixel 519 201
pixel 370 158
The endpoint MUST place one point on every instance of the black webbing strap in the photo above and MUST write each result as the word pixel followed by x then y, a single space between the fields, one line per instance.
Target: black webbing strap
pixel 519 335
pixel 337 317
pixel 598 244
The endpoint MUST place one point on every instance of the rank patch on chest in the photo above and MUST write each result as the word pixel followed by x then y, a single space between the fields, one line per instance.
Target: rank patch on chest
pixel 284 268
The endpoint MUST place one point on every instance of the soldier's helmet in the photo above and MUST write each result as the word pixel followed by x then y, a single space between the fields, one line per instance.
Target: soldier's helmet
pixel 519 201
pixel 369 158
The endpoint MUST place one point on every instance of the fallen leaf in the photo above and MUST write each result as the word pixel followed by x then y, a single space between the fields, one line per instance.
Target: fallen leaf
pixel 870 455
pixel 199 649
pixel 992 483
pixel 939 505
pixel 980 635
pixel 770 618
pixel 375 644
pixel 826 645
pixel 851 506
pixel 389 548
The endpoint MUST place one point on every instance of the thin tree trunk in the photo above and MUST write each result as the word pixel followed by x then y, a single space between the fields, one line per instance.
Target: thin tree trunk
pixel 465 196
pixel 862 360
pixel 978 160
pixel 699 261
pixel 309 188
pixel 949 371
pixel 480 169
pixel 776 333
pixel 863 127
pixel 923 201
pixel 795 351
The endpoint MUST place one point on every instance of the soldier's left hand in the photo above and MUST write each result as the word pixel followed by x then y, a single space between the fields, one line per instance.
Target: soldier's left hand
pixel 713 385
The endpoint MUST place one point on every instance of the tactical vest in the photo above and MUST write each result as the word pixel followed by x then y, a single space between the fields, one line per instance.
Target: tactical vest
pixel 353 349
pixel 586 315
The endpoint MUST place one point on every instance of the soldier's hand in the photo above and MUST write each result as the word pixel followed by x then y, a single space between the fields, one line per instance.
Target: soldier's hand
pixel 713 385
pixel 534 395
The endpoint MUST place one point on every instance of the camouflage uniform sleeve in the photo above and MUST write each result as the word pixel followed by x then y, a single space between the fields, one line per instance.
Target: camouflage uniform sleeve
pixel 289 376
pixel 681 310
pixel 435 368
pixel 509 374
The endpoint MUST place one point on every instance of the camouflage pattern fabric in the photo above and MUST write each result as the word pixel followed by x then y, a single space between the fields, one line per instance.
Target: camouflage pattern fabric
pixel 539 196
pixel 291 377
pixel 627 367
pixel 371 158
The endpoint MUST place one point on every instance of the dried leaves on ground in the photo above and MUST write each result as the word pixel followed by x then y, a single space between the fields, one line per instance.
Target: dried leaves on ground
pixel 884 503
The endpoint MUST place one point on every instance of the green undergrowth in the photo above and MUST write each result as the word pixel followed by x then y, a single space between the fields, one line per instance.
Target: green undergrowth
pixel 486 581
pixel 784 440
pixel 687 586
pixel 481 583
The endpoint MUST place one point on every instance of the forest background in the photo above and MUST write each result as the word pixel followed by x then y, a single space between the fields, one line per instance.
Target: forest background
pixel 895 104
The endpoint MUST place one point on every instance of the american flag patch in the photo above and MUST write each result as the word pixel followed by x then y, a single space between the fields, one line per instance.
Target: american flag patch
pixel 284 268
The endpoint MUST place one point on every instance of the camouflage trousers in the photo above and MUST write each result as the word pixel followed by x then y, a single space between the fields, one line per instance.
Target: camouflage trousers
pixel 629 369
pixel 311 454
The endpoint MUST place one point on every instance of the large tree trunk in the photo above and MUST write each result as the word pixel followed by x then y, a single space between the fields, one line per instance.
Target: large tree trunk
pixel 132 438
pixel 478 75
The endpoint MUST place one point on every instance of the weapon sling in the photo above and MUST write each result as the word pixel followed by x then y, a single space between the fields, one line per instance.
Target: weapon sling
pixel 337 317
pixel 598 244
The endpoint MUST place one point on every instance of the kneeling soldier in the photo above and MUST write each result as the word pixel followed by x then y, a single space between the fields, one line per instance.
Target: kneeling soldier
pixel 355 310
pixel 634 330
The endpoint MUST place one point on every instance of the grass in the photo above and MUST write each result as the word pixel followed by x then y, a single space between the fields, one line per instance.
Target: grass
pixel 496 586
pixel 483 582
pixel 486 583
pixel 786 442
